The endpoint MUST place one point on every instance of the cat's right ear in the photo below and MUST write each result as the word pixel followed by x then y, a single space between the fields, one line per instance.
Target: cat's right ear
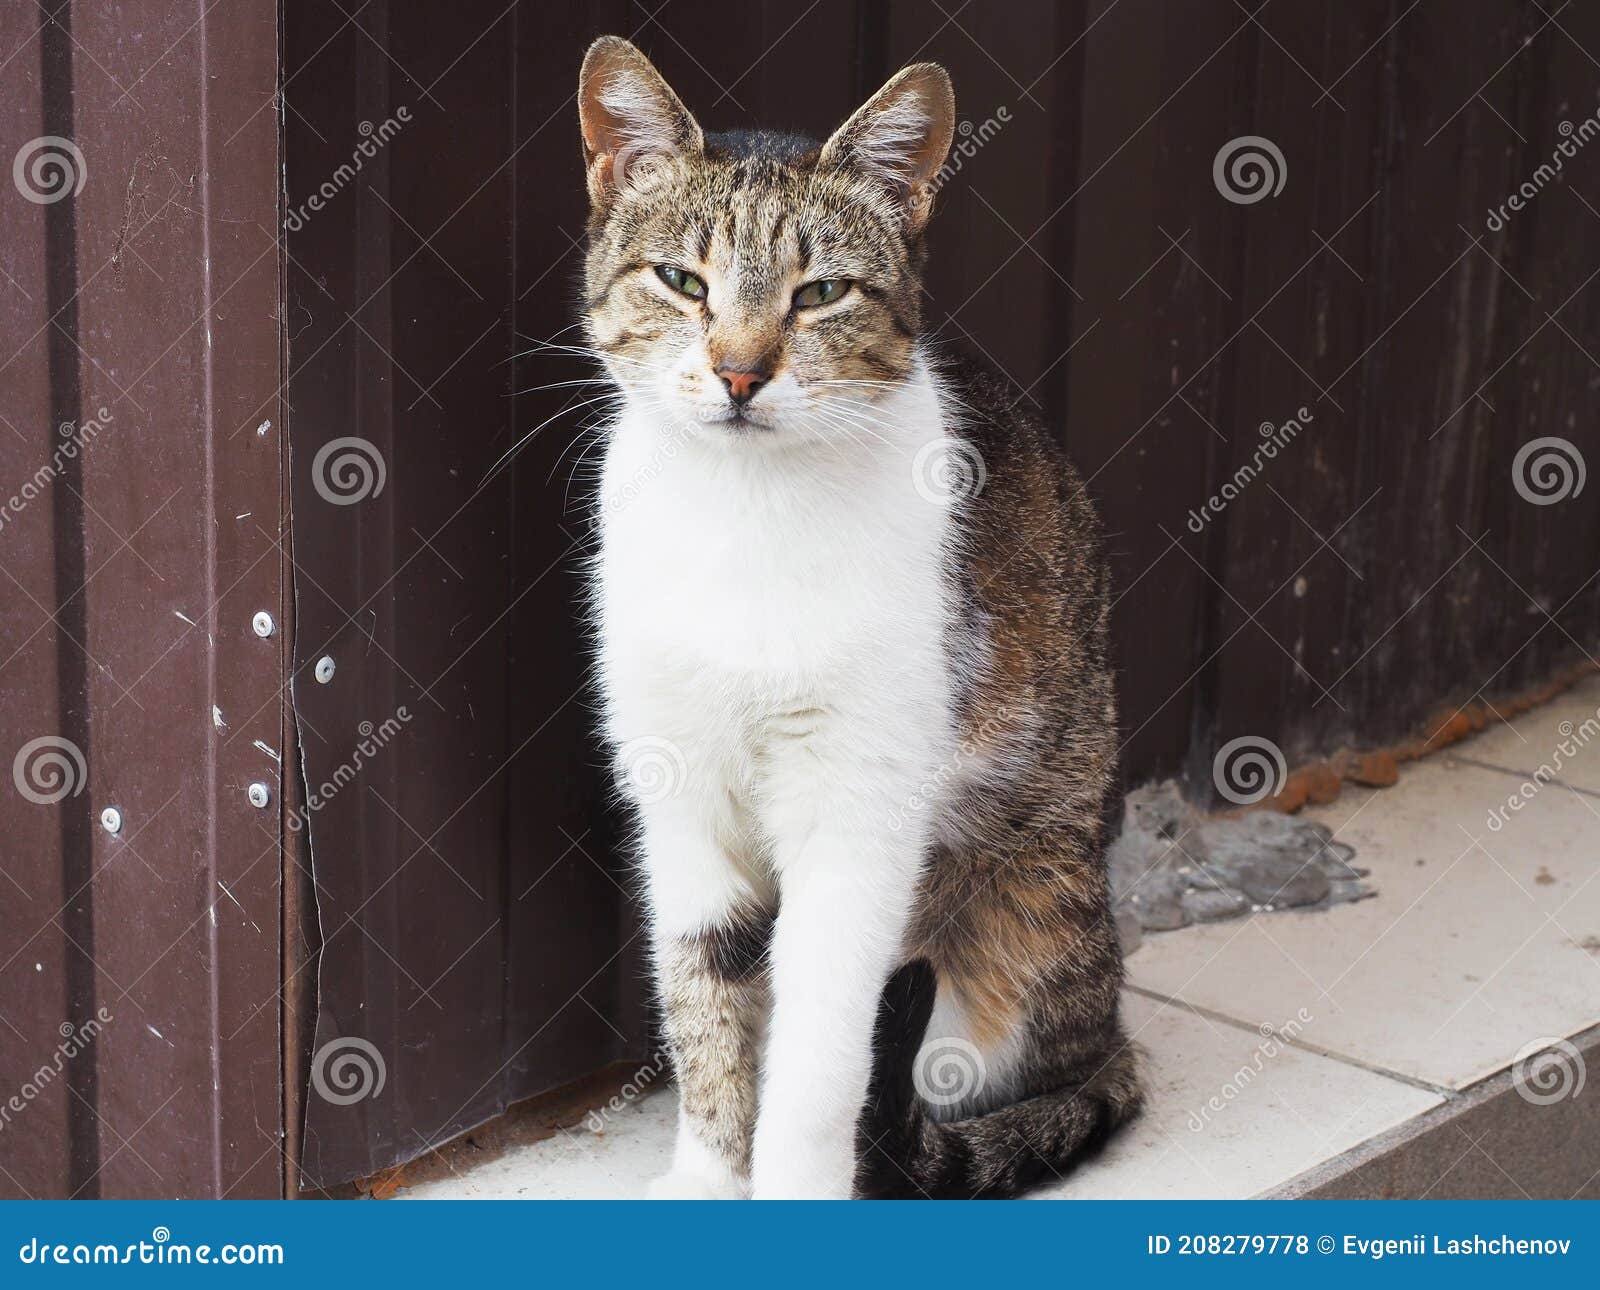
pixel 629 116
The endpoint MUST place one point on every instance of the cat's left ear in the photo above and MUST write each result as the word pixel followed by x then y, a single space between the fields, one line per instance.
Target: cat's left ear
pixel 628 115
pixel 901 135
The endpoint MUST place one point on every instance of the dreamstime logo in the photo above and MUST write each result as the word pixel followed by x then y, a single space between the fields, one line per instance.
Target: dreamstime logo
pixel 74 1040
pixel 1274 1039
pixel 651 769
pixel 49 769
pixel 971 749
pixel 618 496
pixel 1248 169
pixel 348 470
pixel 373 739
pixel 1572 138
pixel 1548 470
pixel 347 1070
pixel 1249 769
pixel 970 140
pixel 1274 439
pixel 1548 1071
pixel 638 165
pixel 1574 739
pixel 373 138
pixel 948 470
pixel 628 1094
pixel 948 1071
pixel 49 168
pixel 75 439
pixel 160 1251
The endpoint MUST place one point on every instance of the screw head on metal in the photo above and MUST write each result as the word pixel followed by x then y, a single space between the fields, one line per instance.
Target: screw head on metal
pixel 111 820
pixel 259 795
pixel 324 669
pixel 263 624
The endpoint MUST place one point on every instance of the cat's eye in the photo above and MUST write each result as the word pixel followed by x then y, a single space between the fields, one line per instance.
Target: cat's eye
pixel 822 292
pixel 681 281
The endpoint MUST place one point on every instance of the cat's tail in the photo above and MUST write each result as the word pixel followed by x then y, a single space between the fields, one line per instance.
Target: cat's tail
pixel 906 1154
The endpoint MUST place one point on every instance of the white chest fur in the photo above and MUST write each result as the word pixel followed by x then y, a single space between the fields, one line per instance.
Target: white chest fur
pixel 748 589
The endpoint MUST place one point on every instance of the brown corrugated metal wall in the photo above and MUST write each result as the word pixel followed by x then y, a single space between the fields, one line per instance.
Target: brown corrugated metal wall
pixel 476 932
pixel 141 375
pixel 468 904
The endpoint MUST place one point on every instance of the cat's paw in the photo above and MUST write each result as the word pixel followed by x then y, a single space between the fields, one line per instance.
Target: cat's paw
pixel 686 1184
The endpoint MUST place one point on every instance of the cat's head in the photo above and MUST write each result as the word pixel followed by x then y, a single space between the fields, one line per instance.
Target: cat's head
pixel 756 286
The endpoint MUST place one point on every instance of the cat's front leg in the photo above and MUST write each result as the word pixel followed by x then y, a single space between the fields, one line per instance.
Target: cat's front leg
pixel 848 885
pixel 710 930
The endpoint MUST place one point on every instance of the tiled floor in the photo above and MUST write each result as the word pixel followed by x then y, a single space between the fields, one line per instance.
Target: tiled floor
pixel 1483 941
pixel 1534 739
pixel 634 1146
pixel 1477 944
pixel 1231 1112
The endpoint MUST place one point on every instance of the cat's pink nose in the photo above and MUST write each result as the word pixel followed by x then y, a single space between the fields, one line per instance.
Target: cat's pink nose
pixel 743 382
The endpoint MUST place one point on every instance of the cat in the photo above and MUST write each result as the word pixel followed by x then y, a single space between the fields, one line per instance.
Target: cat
pixel 852 647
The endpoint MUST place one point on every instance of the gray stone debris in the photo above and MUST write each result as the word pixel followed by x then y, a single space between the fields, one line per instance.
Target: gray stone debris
pixel 1174 865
